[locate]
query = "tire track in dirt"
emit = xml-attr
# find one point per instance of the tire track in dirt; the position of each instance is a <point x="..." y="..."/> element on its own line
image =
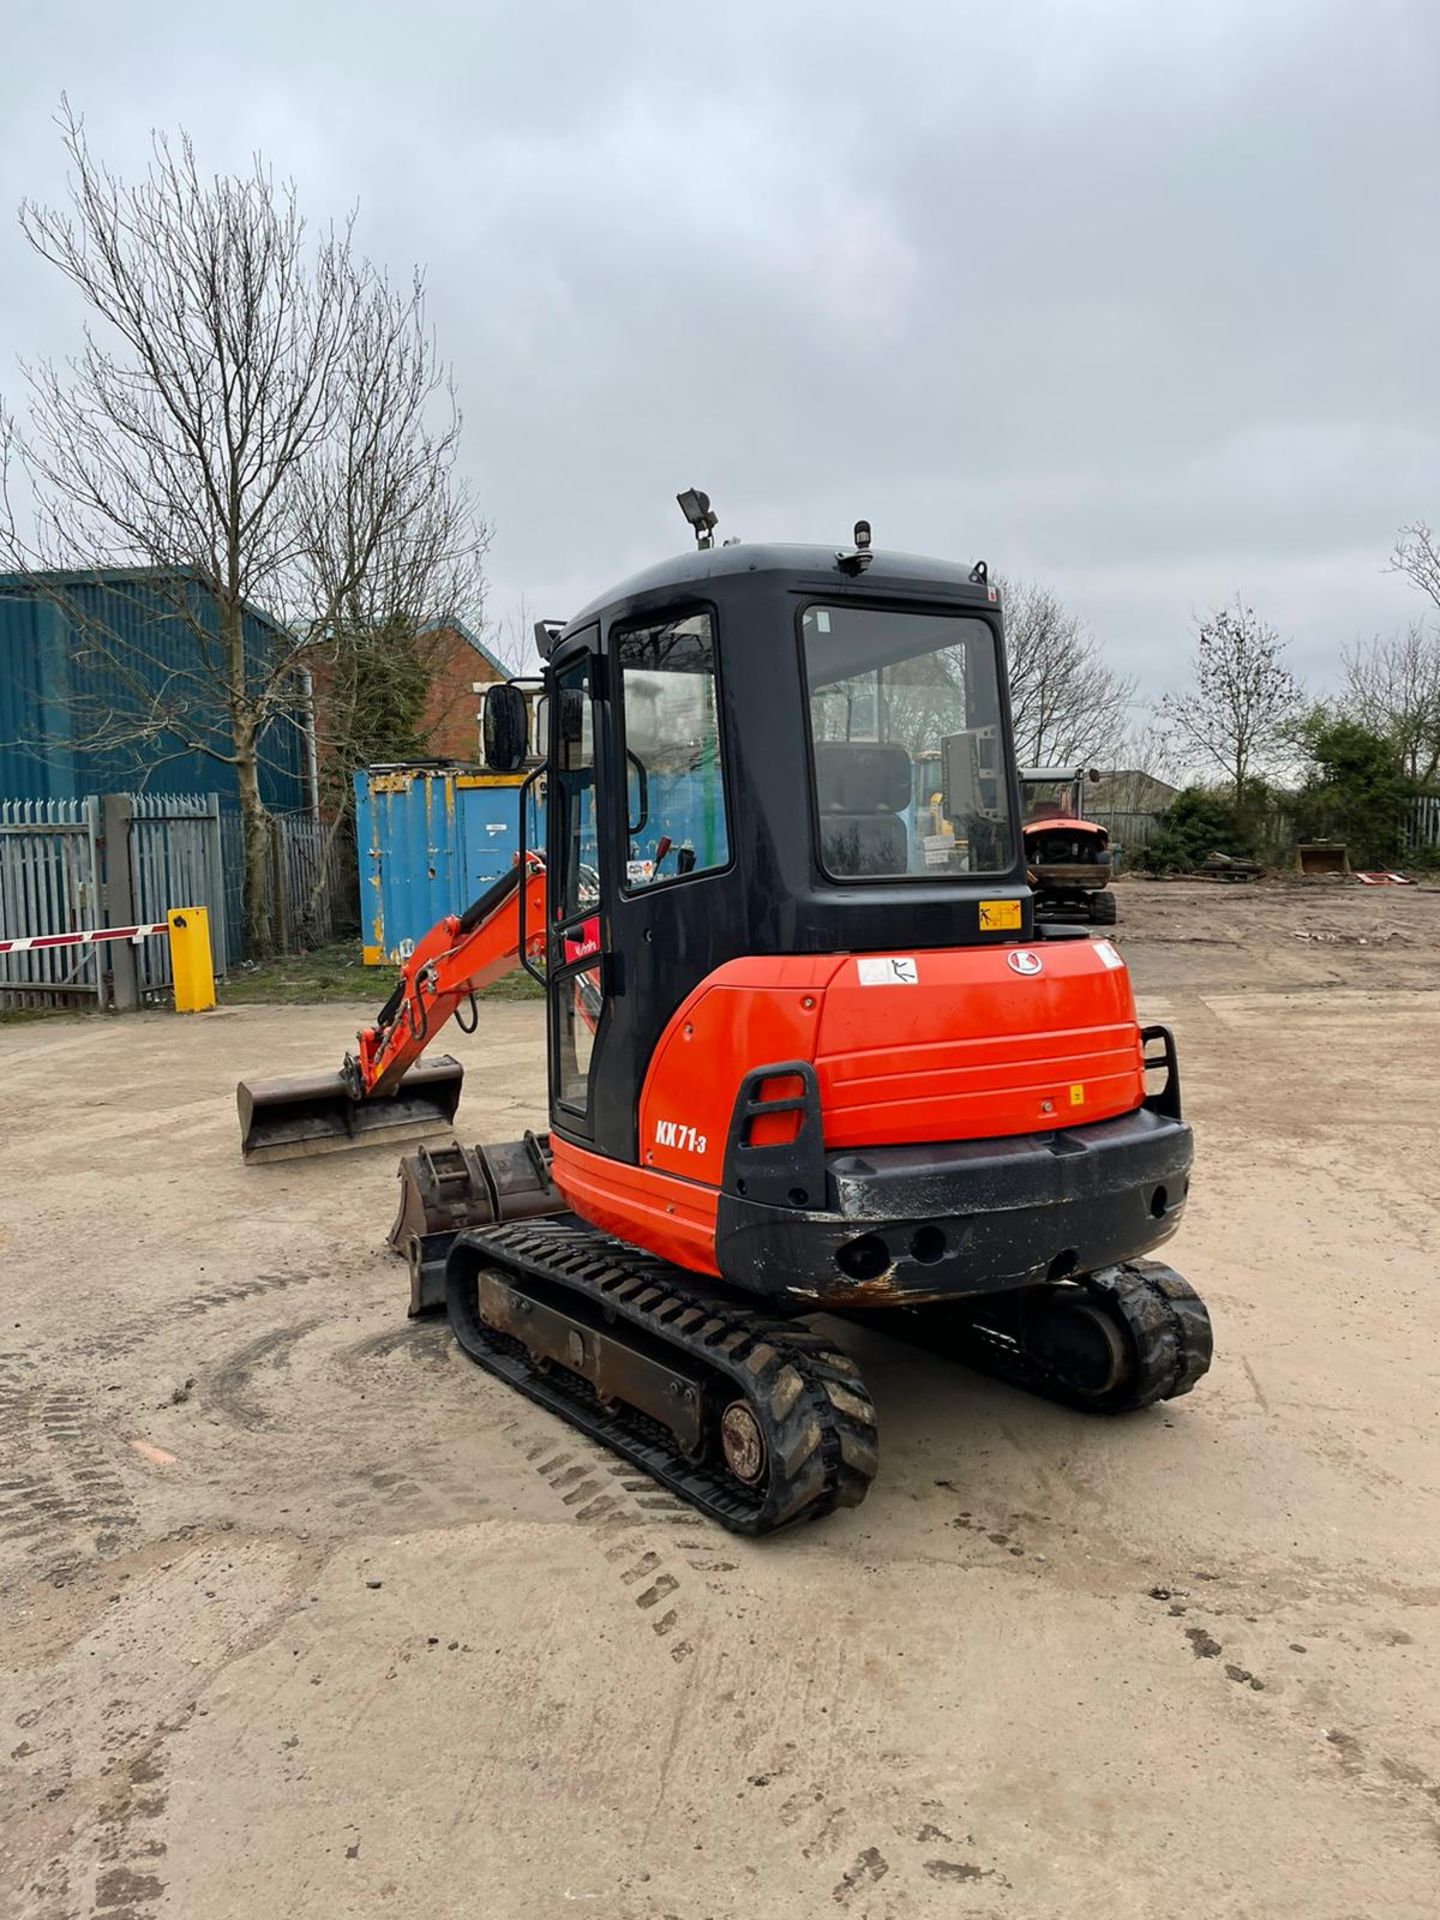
<point x="577" y="1470"/>
<point x="112" y="1342"/>
<point x="29" y="1489"/>
<point x="42" y="1884"/>
<point x="853" y="1849"/>
<point x="390" y="1489"/>
<point x="370" y="1461"/>
<point x="57" y="1477"/>
<point x="104" y="1775"/>
<point x="129" y="1853"/>
<point x="856" y="1824"/>
<point x="425" y="1342"/>
<point x="229" y="1386"/>
<point x="63" y="1470"/>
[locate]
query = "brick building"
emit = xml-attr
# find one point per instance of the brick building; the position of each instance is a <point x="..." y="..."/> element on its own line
<point x="460" y="662"/>
<point x="457" y="663"/>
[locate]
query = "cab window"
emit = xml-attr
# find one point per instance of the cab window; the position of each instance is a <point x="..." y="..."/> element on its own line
<point x="908" y="747"/>
<point x="675" y="816"/>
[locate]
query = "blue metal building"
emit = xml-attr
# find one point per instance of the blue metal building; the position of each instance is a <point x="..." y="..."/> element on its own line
<point x="51" y="683"/>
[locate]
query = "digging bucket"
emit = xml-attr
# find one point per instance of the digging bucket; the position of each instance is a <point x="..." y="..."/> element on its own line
<point x="317" y="1113"/>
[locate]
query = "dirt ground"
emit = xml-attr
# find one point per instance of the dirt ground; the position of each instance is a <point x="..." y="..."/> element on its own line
<point x="299" y="1614"/>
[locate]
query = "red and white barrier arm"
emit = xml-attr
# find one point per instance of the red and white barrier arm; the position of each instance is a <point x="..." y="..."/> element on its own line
<point x="134" y="934"/>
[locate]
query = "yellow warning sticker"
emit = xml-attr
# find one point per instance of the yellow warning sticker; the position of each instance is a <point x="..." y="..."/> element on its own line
<point x="998" y="916"/>
<point x="1077" y="1096"/>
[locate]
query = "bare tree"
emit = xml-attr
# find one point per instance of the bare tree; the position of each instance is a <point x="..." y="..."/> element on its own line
<point x="1392" y="687"/>
<point x="392" y="554"/>
<point x="257" y="421"/>
<point x="1068" y="706"/>
<point x="512" y="640"/>
<point x="1148" y="750"/>
<point x="1417" y="556"/>
<point x="1144" y="758"/>
<point x="1243" y="706"/>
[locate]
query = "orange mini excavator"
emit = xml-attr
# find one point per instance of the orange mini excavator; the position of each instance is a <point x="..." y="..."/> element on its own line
<point x="807" y="1048"/>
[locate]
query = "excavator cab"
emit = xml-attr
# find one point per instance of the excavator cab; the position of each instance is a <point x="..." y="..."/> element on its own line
<point x="807" y="1048"/>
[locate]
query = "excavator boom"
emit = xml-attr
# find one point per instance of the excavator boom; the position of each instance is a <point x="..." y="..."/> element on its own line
<point x="384" y="1091"/>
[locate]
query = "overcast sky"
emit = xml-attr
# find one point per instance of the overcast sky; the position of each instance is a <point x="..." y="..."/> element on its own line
<point x="1137" y="300"/>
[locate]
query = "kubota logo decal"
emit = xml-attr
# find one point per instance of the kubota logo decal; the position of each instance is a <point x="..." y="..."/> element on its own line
<point x="1022" y="960"/>
<point x="584" y="941"/>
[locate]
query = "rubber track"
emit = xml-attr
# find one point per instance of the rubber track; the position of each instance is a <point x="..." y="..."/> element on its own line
<point x="818" y="1423"/>
<point x="1167" y="1330"/>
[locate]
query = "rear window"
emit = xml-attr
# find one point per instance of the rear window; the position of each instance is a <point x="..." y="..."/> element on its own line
<point x="908" y="761"/>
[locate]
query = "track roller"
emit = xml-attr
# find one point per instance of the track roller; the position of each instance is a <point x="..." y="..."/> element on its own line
<point x="759" y="1422"/>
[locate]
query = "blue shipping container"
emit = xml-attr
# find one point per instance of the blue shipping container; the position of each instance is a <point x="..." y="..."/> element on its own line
<point x="429" y="839"/>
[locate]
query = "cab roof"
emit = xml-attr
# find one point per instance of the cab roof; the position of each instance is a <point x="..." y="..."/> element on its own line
<point x="809" y="566"/>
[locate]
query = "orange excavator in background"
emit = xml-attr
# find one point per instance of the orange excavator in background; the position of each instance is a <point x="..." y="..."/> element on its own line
<point x="1068" y="856"/>
<point x="806" y="1054"/>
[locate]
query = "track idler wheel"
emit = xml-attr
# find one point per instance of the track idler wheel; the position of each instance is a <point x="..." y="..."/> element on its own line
<point x="1115" y="1340"/>
<point x="1110" y="1341"/>
<point x="742" y="1443"/>
<point x="1077" y="1340"/>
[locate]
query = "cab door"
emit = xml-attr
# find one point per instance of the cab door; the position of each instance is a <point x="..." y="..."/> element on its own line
<point x="671" y="918"/>
<point x="575" y="862"/>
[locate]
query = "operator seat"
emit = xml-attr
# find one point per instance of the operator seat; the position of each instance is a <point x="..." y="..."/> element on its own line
<point x="863" y="788"/>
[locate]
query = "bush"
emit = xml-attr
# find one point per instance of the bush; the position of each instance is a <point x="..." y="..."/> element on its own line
<point x="1200" y="822"/>
<point x="1356" y="790"/>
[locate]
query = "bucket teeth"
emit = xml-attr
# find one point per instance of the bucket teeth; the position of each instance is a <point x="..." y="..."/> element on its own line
<point x="318" y="1113"/>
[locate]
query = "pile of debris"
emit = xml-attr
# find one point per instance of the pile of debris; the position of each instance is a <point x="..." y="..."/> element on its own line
<point x="1224" y="866"/>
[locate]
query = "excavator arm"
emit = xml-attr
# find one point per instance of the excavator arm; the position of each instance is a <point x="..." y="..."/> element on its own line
<point x="384" y="1090"/>
<point x="459" y="956"/>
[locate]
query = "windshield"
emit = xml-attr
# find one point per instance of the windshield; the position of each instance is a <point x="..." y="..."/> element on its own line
<point x="910" y="773"/>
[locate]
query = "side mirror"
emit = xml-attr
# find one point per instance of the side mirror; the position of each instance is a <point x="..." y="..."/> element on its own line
<point x="505" y="728"/>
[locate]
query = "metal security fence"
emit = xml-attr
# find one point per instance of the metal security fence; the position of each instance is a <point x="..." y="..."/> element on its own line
<point x="71" y="866"/>
<point x="313" y="876"/>
<point x="50" y="883"/>
<point x="232" y="869"/>
<point x="176" y="860"/>
<point x="311" y="871"/>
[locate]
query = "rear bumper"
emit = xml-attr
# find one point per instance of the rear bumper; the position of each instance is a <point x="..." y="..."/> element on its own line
<point x="909" y="1224"/>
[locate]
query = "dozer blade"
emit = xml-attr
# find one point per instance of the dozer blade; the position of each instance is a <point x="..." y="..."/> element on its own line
<point x="317" y="1113"/>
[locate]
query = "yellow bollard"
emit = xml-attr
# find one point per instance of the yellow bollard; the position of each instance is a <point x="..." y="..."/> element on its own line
<point x="191" y="966"/>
